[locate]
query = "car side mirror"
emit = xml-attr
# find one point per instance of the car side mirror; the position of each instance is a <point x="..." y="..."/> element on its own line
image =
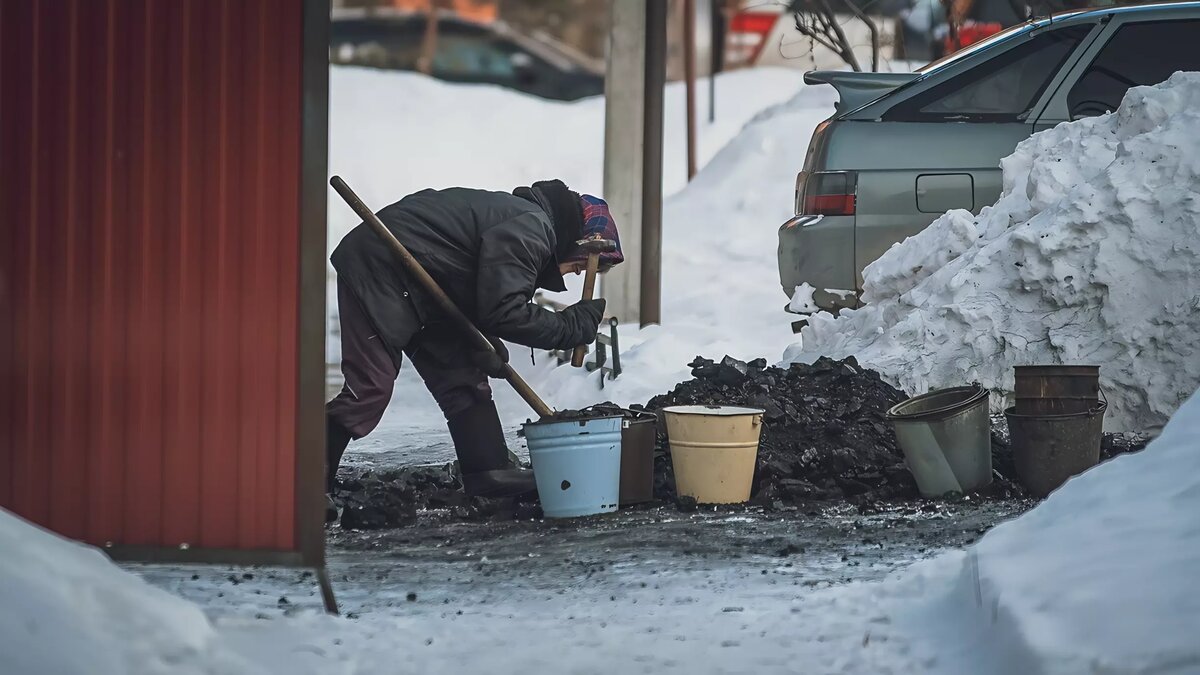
<point x="522" y="65"/>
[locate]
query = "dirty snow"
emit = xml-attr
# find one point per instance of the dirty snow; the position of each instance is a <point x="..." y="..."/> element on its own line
<point x="802" y="300"/>
<point x="1090" y="256"/>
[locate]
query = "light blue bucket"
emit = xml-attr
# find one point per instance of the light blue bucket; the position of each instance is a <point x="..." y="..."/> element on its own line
<point x="577" y="465"/>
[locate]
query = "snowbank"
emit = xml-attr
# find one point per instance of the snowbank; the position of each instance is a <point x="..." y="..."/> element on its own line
<point x="1090" y="256"/>
<point x="1101" y="577"/>
<point x="68" y="609"/>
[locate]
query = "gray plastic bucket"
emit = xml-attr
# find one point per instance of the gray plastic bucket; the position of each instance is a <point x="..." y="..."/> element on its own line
<point x="577" y="465"/>
<point x="946" y="439"/>
<point x="1049" y="449"/>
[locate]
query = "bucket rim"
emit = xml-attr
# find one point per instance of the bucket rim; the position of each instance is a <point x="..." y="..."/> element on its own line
<point x="1098" y="409"/>
<point x="550" y="420"/>
<point x="714" y="410"/>
<point x="978" y="393"/>
<point x="1055" y="366"/>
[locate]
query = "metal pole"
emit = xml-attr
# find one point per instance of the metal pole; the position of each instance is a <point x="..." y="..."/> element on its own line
<point x="716" y="54"/>
<point x="652" y="162"/>
<point x="689" y="70"/>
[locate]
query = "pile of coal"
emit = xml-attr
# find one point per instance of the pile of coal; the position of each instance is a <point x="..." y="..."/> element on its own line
<point x="372" y="500"/>
<point x="825" y="435"/>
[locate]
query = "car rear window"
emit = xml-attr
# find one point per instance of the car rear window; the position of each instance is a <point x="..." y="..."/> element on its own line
<point x="1138" y="54"/>
<point x="1001" y="89"/>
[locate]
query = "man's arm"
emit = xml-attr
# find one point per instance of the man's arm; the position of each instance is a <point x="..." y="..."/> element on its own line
<point x="510" y="257"/>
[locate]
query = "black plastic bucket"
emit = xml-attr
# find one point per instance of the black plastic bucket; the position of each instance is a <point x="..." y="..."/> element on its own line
<point x="1049" y="449"/>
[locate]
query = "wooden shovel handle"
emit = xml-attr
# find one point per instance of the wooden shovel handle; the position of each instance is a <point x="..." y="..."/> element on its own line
<point x="589" y="290"/>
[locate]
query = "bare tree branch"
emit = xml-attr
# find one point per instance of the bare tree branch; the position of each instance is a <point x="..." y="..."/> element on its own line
<point x="815" y="19"/>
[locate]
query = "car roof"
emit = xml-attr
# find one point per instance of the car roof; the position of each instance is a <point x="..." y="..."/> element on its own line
<point x="1060" y="18"/>
<point x="1125" y="9"/>
<point x="1064" y="18"/>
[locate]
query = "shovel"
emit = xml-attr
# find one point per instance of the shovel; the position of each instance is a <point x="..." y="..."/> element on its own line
<point x="415" y="271"/>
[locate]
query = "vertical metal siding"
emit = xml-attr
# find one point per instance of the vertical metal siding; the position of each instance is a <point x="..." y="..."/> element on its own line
<point x="149" y="252"/>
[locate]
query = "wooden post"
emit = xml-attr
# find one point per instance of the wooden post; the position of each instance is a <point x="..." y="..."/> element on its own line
<point x="689" y="74"/>
<point x="429" y="41"/>
<point x="624" y="109"/>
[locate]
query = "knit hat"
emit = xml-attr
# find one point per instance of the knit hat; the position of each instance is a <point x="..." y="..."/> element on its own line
<point x="598" y="224"/>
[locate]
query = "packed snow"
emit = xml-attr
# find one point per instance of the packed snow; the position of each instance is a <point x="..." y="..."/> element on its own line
<point x="1090" y="256"/>
<point x="67" y="609"/>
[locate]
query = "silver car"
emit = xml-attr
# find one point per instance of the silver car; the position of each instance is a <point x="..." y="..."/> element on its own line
<point x="901" y="149"/>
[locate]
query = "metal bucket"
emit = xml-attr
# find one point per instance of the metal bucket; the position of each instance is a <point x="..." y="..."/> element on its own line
<point x="713" y="450"/>
<point x="577" y="465"/>
<point x="946" y="439"/>
<point x="1049" y="449"/>
<point x="637" y="458"/>
<point x="1056" y="390"/>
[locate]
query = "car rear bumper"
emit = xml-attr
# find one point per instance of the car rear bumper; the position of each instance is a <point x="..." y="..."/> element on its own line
<point x="819" y="251"/>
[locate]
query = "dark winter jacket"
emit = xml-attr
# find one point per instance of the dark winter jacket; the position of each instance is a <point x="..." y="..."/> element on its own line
<point x="489" y="251"/>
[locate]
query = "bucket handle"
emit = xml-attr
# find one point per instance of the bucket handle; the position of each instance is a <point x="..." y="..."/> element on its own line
<point x="631" y="412"/>
<point x="1103" y="397"/>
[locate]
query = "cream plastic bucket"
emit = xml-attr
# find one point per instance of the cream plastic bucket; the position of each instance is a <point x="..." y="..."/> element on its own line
<point x="714" y="450"/>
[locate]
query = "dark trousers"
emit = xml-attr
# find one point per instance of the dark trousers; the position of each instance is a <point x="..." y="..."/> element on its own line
<point x="370" y="371"/>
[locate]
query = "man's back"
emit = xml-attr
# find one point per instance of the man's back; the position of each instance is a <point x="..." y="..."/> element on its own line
<point x="443" y="229"/>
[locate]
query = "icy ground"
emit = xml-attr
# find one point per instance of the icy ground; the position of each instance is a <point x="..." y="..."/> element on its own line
<point x="648" y="590"/>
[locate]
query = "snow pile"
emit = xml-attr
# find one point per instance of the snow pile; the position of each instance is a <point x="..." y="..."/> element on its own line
<point x="1090" y="256"/>
<point x="68" y="609"/>
<point x="720" y="281"/>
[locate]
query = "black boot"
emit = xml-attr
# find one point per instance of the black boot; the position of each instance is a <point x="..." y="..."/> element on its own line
<point x="483" y="455"/>
<point x="336" y="440"/>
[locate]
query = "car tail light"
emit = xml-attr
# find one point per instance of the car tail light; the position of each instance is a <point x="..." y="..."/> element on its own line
<point x="748" y="32"/>
<point x="826" y="193"/>
<point x="753" y="22"/>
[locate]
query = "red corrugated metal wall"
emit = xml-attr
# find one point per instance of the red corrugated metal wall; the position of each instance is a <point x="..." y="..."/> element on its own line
<point x="150" y="154"/>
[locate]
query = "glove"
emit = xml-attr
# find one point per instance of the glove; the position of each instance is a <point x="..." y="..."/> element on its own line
<point x="491" y="363"/>
<point x="586" y="316"/>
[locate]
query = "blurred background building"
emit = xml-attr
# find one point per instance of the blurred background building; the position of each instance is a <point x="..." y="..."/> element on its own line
<point x="555" y="48"/>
